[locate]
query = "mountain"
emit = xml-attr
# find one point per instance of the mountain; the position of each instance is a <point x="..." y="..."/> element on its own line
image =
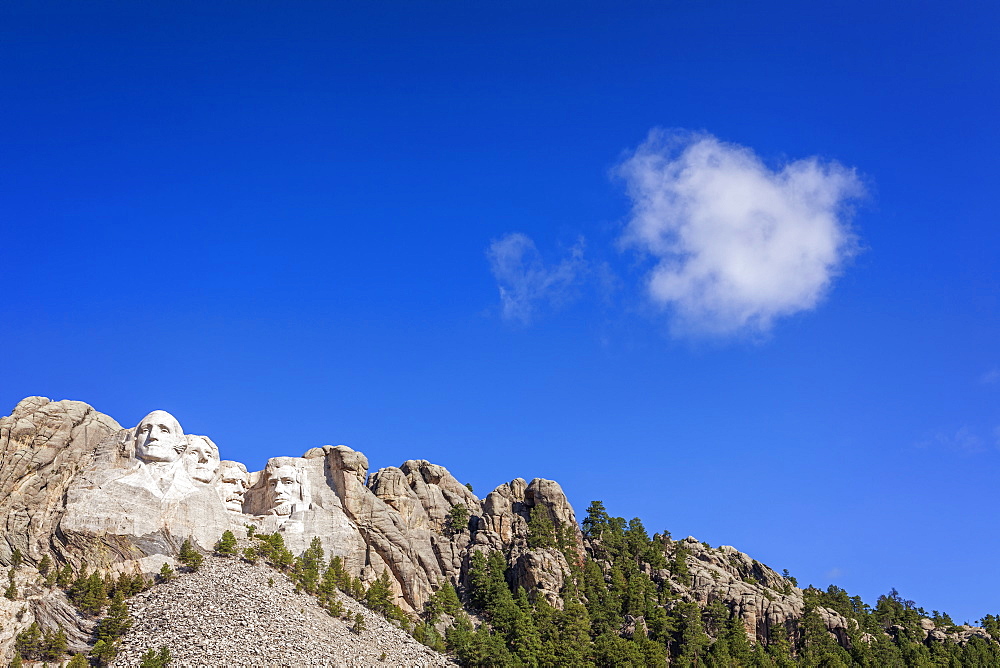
<point x="80" y="496"/>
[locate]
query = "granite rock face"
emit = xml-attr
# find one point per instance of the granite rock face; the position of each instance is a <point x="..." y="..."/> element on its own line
<point x="44" y="445"/>
<point x="77" y="486"/>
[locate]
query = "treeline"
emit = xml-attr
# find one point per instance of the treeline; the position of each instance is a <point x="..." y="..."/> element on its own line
<point x="614" y="614"/>
<point x="93" y="595"/>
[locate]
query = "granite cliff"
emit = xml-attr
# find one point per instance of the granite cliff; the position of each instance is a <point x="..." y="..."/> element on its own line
<point x="78" y="488"/>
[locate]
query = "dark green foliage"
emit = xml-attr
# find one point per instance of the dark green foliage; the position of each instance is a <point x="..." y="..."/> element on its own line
<point x="35" y="645"/>
<point x="468" y="486"/>
<point x="118" y="620"/>
<point x="154" y="659"/>
<point x="28" y="643"/>
<point x="128" y="585"/>
<point x="11" y="591"/>
<point x="45" y="565"/>
<point x="272" y="549"/>
<point x="334" y="577"/>
<point x="359" y="623"/>
<point x="16" y="558"/>
<point x="426" y="633"/>
<point x="190" y="557"/>
<point x="486" y="577"/>
<point x="65" y="577"/>
<point x="54" y="645"/>
<point x="103" y="652"/>
<point x="16" y="662"/>
<point x="357" y="589"/>
<point x="457" y="520"/>
<point x="443" y="601"/>
<point x="226" y="547"/>
<point x="88" y="592"/>
<point x="678" y="564"/>
<point x="251" y="530"/>
<point x="109" y="629"/>
<point x="309" y="567"/>
<point x="992" y="625"/>
<point x="379" y="595"/>
<point x="78" y="661"/>
<point x="166" y="573"/>
<point x="541" y="530"/>
<point x="610" y="649"/>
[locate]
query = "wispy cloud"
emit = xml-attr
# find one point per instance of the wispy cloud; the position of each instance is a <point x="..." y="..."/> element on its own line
<point x="736" y="244"/>
<point x="991" y="377"/>
<point x="964" y="439"/>
<point x="526" y="282"/>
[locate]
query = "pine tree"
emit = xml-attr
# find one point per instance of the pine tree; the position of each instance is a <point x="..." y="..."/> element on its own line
<point x="104" y="652"/>
<point x="226" y="547"/>
<point x="28" y="643"/>
<point x="308" y="572"/>
<point x="11" y="591"/>
<point x="65" y="577"/>
<point x="78" y="661"/>
<point x="44" y="565"/>
<point x="574" y="644"/>
<point x="541" y="530"/>
<point x="54" y="645"/>
<point x="458" y="637"/>
<point x="116" y="622"/>
<point x="16" y="558"/>
<point x="379" y="595"/>
<point x="523" y="639"/>
<point x="154" y="659"/>
<point x="190" y="557"/>
<point x="166" y="573"/>
<point x="359" y="623"/>
<point x="457" y="520"/>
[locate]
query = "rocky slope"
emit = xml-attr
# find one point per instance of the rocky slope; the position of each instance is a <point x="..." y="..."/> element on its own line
<point x="78" y="487"/>
<point x="230" y="613"/>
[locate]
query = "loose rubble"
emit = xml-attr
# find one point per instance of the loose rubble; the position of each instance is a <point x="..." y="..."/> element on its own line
<point x="230" y="614"/>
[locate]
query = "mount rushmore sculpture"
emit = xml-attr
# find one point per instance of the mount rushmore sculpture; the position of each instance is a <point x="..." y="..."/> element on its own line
<point x="76" y="485"/>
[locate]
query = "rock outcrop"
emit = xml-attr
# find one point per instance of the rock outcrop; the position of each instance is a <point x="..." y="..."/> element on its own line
<point x="77" y="486"/>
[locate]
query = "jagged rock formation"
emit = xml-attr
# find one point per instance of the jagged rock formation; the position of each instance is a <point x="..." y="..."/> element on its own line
<point x="761" y="597"/>
<point x="78" y="487"/>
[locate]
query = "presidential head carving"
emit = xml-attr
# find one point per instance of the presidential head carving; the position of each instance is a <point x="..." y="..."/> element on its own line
<point x="201" y="458"/>
<point x="233" y="484"/>
<point x="159" y="438"/>
<point x="285" y="486"/>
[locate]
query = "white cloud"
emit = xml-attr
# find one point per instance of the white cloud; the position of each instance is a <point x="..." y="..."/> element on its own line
<point x="525" y="281"/>
<point x="736" y="244"/>
<point x="990" y="377"/>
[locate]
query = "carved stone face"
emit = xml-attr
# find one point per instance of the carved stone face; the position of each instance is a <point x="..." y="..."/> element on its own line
<point x="233" y="485"/>
<point x="285" y="489"/>
<point x="159" y="438"/>
<point x="201" y="459"/>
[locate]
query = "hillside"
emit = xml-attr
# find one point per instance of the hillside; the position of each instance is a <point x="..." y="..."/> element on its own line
<point x="510" y="579"/>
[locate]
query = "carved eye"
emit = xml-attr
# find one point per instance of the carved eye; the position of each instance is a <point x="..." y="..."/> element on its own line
<point x="164" y="429"/>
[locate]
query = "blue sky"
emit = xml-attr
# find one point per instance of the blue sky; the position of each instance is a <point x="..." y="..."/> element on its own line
<point x="290" y="224"/>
